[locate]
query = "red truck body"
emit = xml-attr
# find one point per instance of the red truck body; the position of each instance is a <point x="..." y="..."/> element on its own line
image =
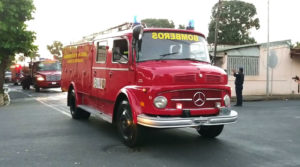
<point x="16" y="73"/>
<point x="179" y="88"/>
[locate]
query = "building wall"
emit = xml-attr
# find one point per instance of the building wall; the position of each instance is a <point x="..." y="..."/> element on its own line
<point x="281" y="75"/>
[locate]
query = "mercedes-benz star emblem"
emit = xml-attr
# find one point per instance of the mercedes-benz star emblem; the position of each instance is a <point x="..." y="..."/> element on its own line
<point x="199" y="99"/>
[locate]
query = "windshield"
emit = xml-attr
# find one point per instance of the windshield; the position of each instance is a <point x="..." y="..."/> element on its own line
<point x="49" y="66"/>
<point x="173" y="46"/>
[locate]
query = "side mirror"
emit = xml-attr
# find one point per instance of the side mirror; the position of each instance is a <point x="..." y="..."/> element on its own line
<point x="138" y="32"/>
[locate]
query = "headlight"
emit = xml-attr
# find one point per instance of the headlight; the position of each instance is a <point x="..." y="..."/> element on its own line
<point x="160" y="102"/>
<point x="40" y="78"/>
<point x="226" y="100"/>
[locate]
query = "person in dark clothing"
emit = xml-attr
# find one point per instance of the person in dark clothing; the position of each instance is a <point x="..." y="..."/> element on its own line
<point x="239" y="81"/>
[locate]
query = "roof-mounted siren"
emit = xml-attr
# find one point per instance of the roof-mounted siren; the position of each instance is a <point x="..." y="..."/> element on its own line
<point x="191" y="25"/>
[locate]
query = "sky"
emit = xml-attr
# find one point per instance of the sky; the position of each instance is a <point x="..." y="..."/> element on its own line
<point x="69" y="20"/>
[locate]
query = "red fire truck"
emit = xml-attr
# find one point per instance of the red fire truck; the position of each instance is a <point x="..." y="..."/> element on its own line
<point x="140" y="77"/>
<point x="42" y="74"/>
<point x="16" y="73"/>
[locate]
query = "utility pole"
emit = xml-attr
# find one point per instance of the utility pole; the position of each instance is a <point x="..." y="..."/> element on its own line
<point x="268" y="50"/>
<point x="216" y="30"/>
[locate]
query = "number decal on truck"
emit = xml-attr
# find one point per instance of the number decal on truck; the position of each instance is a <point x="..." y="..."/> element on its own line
<point x="99" y="83"/>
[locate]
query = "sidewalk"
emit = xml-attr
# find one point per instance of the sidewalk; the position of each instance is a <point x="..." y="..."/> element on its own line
<point x="264" y="97"/>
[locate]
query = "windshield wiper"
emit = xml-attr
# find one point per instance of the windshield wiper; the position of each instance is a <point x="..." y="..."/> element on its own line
<point x="192" y="59"/>
<point x="168" y="54"/>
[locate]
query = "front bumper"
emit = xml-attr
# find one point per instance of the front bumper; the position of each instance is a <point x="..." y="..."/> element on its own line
<point x="48" y="84"/>
<point x="179" y="122"/>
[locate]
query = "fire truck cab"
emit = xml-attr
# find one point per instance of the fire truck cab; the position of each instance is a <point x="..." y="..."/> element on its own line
<point x="134" y="76"/>
<point x="42" y="74"/>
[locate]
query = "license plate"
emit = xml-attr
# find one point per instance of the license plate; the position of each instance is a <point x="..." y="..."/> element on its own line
<point x="53" y="83"/>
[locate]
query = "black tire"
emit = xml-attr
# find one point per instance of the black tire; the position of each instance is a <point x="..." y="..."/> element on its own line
<point x="210" y="131"/>
<point x="23" y="86"/>
<point x="129" y="131"/>
<point x="37" y="88"/>
<point x="76" y="113"/>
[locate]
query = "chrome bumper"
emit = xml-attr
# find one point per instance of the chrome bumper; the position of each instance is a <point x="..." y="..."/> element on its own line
<point x="179" y="122"/>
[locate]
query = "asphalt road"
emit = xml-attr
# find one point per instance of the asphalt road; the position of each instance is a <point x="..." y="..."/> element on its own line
<point x="36" y="130"/>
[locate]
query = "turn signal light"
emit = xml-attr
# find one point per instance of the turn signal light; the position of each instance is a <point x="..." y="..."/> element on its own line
<point x="178" y="106"/>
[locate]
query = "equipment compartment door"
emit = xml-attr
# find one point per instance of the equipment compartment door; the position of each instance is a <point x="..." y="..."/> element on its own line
<point x="99" y="70"/>
<point x="84" y="63"/>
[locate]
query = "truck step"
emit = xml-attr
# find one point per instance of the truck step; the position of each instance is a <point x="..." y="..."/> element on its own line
<point x="96" y="112"/>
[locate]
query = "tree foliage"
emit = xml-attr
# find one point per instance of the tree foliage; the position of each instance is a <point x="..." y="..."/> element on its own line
<point x="159" y="23"/>
<point x="56" y="49"/>
<point x="14" y="38"/>
<point x="236" y="20"/>
<point x="296" y="45"/>
<point x="181" y="26"/>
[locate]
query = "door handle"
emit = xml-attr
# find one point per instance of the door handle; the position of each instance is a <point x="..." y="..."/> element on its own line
<point x="110" y="74"/>
<point x="95" y="73"/>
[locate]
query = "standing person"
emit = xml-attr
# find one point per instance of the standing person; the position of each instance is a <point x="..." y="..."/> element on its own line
<point x="239" y="81"/>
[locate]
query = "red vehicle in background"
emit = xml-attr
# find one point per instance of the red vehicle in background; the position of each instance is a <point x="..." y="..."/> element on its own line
<point x="16" y="73"/>
<point x="152" y="77"/>
<point x="43" y="74"/>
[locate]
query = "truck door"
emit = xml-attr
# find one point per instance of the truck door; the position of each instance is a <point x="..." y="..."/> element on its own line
<point x="99" y="70"/>
<point x="119" y="73"/>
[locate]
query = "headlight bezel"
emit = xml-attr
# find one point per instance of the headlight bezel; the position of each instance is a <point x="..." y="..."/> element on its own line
<point x="160" y="102"/>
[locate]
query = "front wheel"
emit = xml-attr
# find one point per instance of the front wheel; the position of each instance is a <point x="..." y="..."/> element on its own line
<point x="210" y="131"/>
<point x="128" y="130"/>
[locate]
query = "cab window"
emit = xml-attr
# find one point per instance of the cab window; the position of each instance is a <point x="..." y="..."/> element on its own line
<point x="120" y="51"/>
<point x="101" y="52"/>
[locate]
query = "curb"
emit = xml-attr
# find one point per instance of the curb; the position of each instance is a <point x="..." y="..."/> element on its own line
<point x="6" y="97"/>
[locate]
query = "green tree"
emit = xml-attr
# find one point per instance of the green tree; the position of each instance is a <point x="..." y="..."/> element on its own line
<point x="296" y="45"/>
<point x="181" y="26"/>
<point x="14" y="38"/>
<point x="159" y="23"/>
<point x="56" y="50"/>
<point x="236" y="20"/>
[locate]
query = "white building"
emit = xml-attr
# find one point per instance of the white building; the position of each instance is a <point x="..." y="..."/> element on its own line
<point x="253" y="58"/>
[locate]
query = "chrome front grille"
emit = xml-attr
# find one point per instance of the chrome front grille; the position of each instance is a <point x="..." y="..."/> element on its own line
<point x="53" y="77"/>
<point x="188" y="98"/>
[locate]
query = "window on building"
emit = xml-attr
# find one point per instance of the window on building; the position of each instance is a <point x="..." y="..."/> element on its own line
<point x="120" y="51"/>
<point x="250" y="64"/>
<point x="101" y="52"/>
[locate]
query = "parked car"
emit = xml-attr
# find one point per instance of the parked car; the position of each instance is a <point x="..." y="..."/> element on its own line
<point x="7" y="78"/>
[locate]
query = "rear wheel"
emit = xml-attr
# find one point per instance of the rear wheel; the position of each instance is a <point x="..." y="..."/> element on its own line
<point x="128" y="130"/>
<point x="76" y="113"/>
<point x="23" y="86"/>
<point x="210" y="131"/>
<point x="37" y="88"/>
